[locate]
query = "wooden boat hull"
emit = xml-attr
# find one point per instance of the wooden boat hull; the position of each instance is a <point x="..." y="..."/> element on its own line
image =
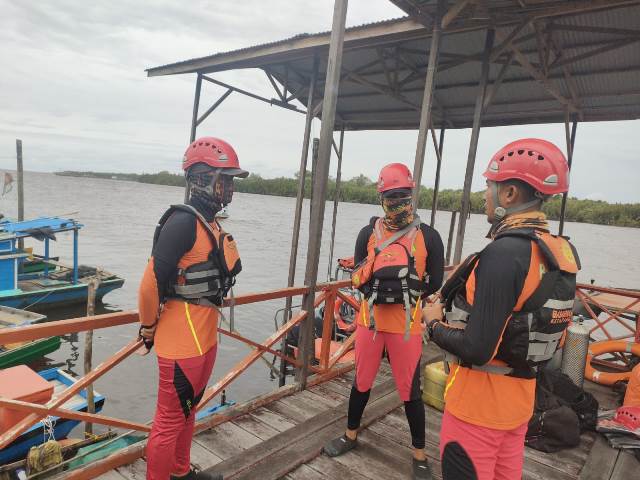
<point x="56" y="296"/>
<point x="62" y="427"/>
<point x="29" y="351"/>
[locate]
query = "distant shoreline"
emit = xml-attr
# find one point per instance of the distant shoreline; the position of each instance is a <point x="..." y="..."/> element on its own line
<point x="362" y="190"/>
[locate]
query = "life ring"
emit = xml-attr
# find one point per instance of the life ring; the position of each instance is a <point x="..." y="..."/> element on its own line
<point x="609" y="346"/>
<point x="340" y="321"/>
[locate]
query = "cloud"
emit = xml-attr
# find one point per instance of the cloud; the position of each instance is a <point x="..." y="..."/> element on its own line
<point x="73" y="88"/>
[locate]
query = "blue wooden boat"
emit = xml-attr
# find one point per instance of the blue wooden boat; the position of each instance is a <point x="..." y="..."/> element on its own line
<point x="45" y="288"/>
<point x="62" y="426"/>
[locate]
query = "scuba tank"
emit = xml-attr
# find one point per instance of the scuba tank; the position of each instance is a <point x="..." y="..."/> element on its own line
<point x="574" y="353"/>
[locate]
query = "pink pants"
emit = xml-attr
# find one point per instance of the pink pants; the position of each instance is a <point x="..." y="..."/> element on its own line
<point x="471" y="452"/>
<point x="181" y="385"/>
<point x="404" y="357"/>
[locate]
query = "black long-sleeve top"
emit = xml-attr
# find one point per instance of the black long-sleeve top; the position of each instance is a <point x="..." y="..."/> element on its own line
<point x="499" y="279"/>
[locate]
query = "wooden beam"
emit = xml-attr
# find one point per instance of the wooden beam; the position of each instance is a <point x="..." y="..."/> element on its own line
<point x="427" y="102"/>
<point x="196" y="104"/>
<point x="81" y="416"/>
<point x="509" y="40"/>
<point x="222" y="98"/>
<point x="274" y="84"/>
<point x="495" y="86"/>
<point x="596" y="51"/>
<point x="473" y="146"/>
<point x="453" y="12"/>
<point x="23" y="425"/>
<point x="382" y="89"/>
<point x="316" y="219"/>
<point x="540" y="77"/>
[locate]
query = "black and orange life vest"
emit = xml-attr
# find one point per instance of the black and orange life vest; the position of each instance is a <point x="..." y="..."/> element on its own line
<point x="205" y="282"/>
<point x="534" y="332"/>
<point x="388" y="275"/>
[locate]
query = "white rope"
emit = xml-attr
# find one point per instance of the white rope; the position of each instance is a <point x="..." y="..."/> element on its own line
<point x="48" y="433"/>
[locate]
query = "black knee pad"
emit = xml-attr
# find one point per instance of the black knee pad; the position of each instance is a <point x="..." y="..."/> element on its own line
<point x="456" y="464"/>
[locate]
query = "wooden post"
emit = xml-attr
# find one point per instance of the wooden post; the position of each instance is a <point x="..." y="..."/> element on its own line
<point x="436" y="185"/>
<point x="427" y="101"/>
<point x="473" y="145"/>
<point x="314" y="164"/>
<point x="20" y="187"/>
<point x="452" y="226"/>
<point x="196" y="106"/>
<point x="336" y="200"/>
<point x="92" y="287"/>
<point x="295" y="237"/>
<point x="194" y="124"/>
<point x="329" y="104"/>
<point x="571" y="140"/>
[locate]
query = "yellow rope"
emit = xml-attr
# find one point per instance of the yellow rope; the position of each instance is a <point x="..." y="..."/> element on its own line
<point x="193" y="330"/>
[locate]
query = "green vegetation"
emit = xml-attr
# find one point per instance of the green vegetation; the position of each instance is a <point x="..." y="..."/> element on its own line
<point x="362" y="190"/>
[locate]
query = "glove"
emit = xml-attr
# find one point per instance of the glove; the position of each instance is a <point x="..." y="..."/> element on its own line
<point x="146" y="333"/>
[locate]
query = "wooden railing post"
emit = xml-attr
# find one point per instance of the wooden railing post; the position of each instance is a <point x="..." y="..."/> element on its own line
<point x="92" y="287"/>
<point x="327" y="328"/>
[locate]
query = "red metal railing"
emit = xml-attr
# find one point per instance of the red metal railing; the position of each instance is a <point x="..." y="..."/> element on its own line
<point x="326" y="293"/>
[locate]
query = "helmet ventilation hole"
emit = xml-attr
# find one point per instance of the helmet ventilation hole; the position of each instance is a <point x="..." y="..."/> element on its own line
<point x="502" y="158"/>
<point x="530" y="153"/>
<point x="510" y="154"/>
<point x="520" y="152"/>
<point x="540" y="157"/>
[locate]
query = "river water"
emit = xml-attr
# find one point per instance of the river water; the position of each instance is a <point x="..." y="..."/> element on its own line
<point x="119" y="219"/>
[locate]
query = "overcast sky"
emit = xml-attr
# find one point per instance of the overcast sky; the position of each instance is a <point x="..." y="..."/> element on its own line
<point x="73" y="88"/>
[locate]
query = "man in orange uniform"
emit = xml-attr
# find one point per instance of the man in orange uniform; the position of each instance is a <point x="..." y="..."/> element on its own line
<point x="507" y="308"/>
<point x="192" y="267"/>
<point x="399" y="261"/>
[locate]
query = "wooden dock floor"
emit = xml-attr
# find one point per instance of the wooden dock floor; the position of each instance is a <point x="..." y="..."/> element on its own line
<point x="284" y="439"/>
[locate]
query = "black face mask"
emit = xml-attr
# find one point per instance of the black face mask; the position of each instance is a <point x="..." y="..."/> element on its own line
<point x="213" y="190"/>
<point x="223" y="190"/>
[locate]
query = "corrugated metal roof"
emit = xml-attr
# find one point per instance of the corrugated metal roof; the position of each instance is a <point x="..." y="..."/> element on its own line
<point x="387" y="95"/>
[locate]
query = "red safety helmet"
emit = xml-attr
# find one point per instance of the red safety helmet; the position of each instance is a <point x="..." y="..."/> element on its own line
<point x="393" y="176"/>
<point x="215" y="153"/>
<point x="534" y="161"/>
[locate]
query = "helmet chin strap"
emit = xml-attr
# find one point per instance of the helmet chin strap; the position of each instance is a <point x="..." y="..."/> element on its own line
<point x="500" y="212"/>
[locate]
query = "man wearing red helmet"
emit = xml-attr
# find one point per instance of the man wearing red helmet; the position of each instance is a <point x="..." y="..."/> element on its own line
<point x="192" y="267"/>
<point x="507" y="308"/>
<point x="399" y="261"/>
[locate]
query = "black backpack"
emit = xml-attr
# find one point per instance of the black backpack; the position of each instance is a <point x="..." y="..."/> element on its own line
<point x="562" y="411"/>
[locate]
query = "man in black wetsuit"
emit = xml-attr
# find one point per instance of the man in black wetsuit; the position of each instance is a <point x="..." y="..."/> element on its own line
<point x="193" y="265"/>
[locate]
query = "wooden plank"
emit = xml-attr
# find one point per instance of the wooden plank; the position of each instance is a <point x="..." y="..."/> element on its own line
<point x="328" y="393"/>
<point x="202" y="457"/>
<point x="227" y="440"/>
<point x="305" y="472"/>
<point x="319" y="399"/>
<point x="330" y="469"/>
<point x="339" y="388"/>
<point x="255" y="427"/>
<point x="287" y="450"/>
<point x="626" y="467"/>
<point x="375" y="462"/>
<point x="291" y="409"/>
<point x="600" y="462"/>
<point x="275" y="421"/>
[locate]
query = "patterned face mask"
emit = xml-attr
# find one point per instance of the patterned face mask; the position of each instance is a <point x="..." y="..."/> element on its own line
<point x="398" y="212"/>
<point x="215" y="190"/>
